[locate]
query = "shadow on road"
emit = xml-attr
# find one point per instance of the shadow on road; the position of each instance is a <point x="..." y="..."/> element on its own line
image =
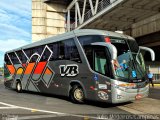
<point x="87" y="102"/>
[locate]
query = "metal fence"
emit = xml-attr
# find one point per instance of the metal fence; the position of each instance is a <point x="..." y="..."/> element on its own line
<point x="101" y="6"/>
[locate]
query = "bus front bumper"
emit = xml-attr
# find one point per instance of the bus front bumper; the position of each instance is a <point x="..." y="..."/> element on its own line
<point x="126" y="95"/>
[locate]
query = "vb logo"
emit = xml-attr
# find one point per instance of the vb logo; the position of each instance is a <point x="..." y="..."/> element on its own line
<point x="69" y="70"/>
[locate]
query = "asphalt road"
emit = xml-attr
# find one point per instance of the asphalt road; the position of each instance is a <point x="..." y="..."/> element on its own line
<point x="155" y="93"/>
<point x="34" y="106"/>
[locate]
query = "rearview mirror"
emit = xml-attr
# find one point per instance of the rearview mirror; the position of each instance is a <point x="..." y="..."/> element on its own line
<point x="149" y="50"/>
<point x="112" y="49"/>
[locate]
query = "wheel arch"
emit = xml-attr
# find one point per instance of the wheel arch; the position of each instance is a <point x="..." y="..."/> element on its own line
<point x="76" y="82"/>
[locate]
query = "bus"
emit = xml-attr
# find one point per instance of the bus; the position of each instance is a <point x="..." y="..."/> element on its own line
<point x="85" y="64"/>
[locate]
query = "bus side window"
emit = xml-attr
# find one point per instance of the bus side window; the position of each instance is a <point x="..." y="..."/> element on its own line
<point x="7" y="60"/>
<point x="14" y="58"/>
<point x="55" y="49"/>
<point x="22" y="56"/>
<point x="88" y="39"/>
<point x="28" y="52"/>
<point x="19" y="54"/>
<point x="89" y="55"/>
<point x="61" y="51"/>
<point x="71" y="51"/>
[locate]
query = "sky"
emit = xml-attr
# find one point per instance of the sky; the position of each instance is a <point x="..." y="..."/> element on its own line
<point x="15" y="25"/>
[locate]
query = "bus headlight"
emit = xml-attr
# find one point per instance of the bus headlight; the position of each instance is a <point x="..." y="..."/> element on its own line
<point x="119" y="87"/>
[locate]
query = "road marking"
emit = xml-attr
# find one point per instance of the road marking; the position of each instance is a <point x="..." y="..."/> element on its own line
<point x="38" y="116"/>
<point x="46" y="111"/>
<point x="156" y="85"/>
<point x="34" y="110"/>
<point x="2" y="103"/>
<point x="8" y="107"/>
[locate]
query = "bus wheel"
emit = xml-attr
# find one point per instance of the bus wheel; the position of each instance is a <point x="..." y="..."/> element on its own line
<point x="19" y="87"/>
<point x="77" y="94"/>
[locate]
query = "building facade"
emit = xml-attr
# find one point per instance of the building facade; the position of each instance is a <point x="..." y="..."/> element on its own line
<point x="48" y="19"/>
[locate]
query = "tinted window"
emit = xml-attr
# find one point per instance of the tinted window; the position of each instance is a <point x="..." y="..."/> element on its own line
<point x="46" y="54"/>
<point x="31" y="51"/>
<point x="7" y="60"/>
<point x="71" y="51"/>
<point x="22" y="56"/>
<point x="65" y="50"/>
<point x="133" y="45"/>
<point x="98" y="59"/>
<point x="55" y="49"/>
<point x="89" y="55"/>
<point x="28" y="52"/>
<point x="87" y="40"/>
<point x="38" y="50"/>
<point x="14" y="58"/>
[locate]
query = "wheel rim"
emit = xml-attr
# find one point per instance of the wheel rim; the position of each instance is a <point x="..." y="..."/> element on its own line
<point x="18" y="87"/>
<point x="78" y="94"/>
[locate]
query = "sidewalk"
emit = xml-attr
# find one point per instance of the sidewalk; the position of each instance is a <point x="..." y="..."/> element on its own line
<point x="156" y="81"/>
<point x="143" y="106"/>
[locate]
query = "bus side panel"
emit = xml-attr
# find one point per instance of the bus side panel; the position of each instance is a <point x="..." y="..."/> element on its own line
<point x="52" y="83"/>
<point x="8" y="80"/>
<point x="17" y="74"/>
<point x="104" y="89"/>
<point x="9" y="73"/>
<point x="80" y="76"/>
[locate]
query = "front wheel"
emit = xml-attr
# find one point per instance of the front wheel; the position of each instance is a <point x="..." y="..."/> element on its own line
<point x="19" y="87"/>
<point x="77" y="94"/>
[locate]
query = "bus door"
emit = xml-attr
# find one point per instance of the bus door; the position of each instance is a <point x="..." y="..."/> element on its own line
<point x="102" y="56"/>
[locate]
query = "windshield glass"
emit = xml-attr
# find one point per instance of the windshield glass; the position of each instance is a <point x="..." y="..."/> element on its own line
<point x="129" y="65"/>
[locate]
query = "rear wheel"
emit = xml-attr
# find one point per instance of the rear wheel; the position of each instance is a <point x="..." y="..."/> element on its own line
<point x="77" y="94"/>
<point x="19" y="87"/>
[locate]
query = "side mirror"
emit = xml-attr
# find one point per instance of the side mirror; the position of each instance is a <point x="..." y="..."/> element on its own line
<point x="149" y="50"/>
<point x="112" y="48"/>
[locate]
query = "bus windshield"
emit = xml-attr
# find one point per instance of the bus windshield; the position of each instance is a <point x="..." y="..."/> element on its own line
<point x="129" y="65"/>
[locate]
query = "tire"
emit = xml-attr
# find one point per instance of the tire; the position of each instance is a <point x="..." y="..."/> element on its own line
<point x="19" y="87"/>
<point x="77" y="94"/>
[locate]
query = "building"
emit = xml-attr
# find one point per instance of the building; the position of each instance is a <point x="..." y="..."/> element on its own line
<point x="48" y="18"/>
<point x="138" y="18"/>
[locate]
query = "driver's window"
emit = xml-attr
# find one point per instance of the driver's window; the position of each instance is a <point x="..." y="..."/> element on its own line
<point x="98" y="60"/>
<point x="100" y="64"/>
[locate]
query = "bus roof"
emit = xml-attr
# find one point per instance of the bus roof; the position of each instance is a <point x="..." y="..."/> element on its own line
<point x="67" y="35"/>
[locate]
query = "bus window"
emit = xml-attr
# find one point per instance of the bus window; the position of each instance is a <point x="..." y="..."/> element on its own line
<point x="22" y="56"/>
<point x="55" y="48"/>
<point x="89" y="55"/>
<point x="45" y="56"/>
<point x="39" y="49"/>
<point x="33" y="59"/>
<point x="69" y="51"/>
<point x="100" y="61"/>
<point x="97" y="59"/>
<point x="87" y="40"/>
<point x="14" y="58"/>
<point x="28" y="52"/>
<point x="7" y="60"/>
<point x="61" y="51"/>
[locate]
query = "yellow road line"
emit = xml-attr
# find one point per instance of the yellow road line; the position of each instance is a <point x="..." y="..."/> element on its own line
<point x="155" y="84"/>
